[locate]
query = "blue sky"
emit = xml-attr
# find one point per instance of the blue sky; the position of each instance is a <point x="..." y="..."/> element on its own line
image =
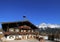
<point x="36" y="11"/>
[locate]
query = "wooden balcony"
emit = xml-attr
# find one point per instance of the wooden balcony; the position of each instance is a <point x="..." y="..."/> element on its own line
<point x="20" y="33"/>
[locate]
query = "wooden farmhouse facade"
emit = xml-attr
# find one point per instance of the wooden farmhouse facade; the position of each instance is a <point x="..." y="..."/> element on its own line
<point x="20" y="30"/>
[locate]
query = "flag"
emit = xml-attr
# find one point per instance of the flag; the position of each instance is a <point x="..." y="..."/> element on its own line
<point x="24" y="16"/>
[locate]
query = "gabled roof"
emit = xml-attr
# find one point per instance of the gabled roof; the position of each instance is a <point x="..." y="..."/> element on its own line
<point x="16" y="24"/>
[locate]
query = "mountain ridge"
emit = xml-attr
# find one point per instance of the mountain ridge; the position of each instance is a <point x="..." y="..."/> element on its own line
<point x="44" y="25"/>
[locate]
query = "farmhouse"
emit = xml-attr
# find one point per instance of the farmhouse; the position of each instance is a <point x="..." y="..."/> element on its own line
<point x="20" y="30"/>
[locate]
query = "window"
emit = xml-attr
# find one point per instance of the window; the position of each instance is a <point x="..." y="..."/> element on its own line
<point x="16" y="30"/>
<point x="22" y="31"/>
<point x="11" y="36"/>
<point x="11" y="30"/>
<point x="32" y="31"/>
<point x="28" y="30"/>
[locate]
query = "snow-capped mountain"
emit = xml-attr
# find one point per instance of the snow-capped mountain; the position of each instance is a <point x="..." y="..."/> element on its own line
<point x="44" y="25"/>
<point x="48" y="28"/>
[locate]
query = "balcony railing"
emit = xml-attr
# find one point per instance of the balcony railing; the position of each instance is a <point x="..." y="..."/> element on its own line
<point x="21" y="33"/>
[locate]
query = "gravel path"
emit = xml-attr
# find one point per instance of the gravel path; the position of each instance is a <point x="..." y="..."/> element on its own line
<point x="30" y="40"/>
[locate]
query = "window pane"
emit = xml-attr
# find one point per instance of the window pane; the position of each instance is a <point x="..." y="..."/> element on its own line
<point x="28" y="30"/>
<point x="16" y="30"/>
<point x="11" y="30"/>
<point x="24" y="30"/>
<point x="21" y="30"/>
